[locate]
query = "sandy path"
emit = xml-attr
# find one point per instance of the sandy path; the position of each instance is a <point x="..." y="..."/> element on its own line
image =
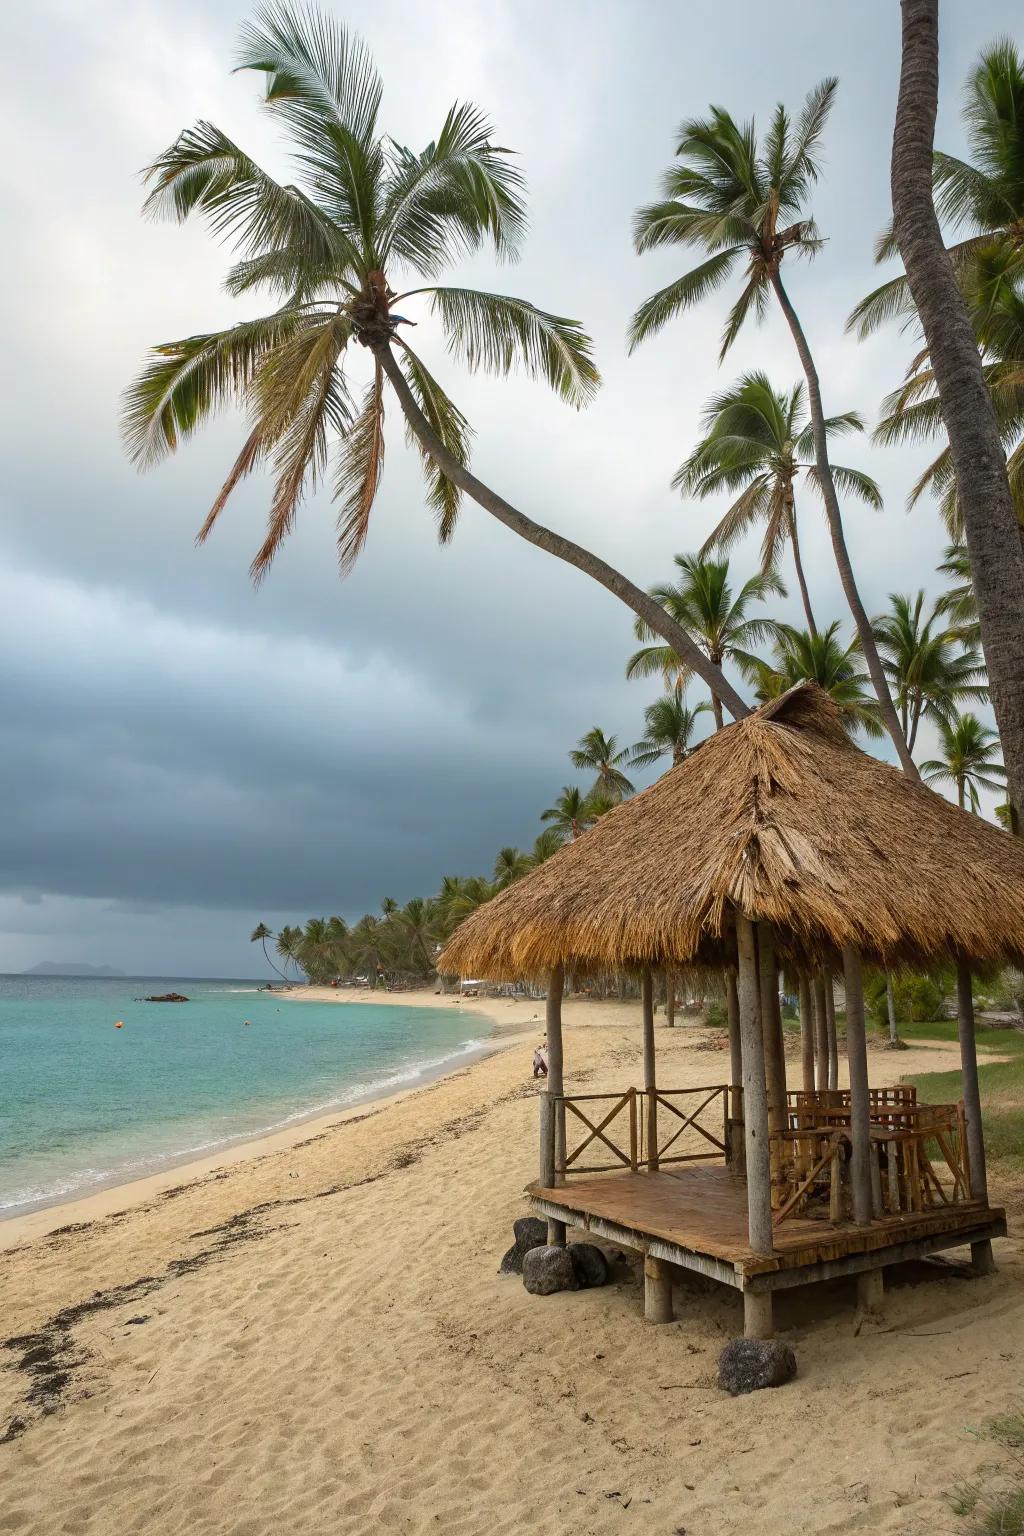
<point x="326" y="1346"/>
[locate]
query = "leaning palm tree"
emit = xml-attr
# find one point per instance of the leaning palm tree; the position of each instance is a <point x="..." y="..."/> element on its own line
<point x="742" y="203"/>
<point x="260" y="934"/>
<point x="930" y="670"/>
<point x="571" y="813"/>
<point x="703" y="602"/>
<point x="669" y="726"/>
<point x="349" y="252"/>
<point x="602" y="756"/>
<point x="759" y="442"/>
<point x="969" y="760"/>
<point x="801" y="657"/>
<point x="991" y="528"/>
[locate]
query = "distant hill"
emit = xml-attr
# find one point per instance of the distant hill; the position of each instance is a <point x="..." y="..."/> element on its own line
<point x="71" y="968"/>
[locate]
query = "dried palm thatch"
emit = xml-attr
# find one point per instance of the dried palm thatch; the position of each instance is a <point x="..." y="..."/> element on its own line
<point x="780" y="817"/>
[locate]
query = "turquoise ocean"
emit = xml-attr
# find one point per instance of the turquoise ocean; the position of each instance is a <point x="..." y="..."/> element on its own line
<point x="84" y="1104"/>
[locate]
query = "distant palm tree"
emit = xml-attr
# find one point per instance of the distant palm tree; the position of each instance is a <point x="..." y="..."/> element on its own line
<point x="970" y="758"/>
<point x="546" y="844"/>
<point x="670" y="724"/>
<point x="930" y="671"/>
<point x="959" y="603"/>
<point x="416" y="925"/>
<point x="759" y="442"/>
<point x="459" y="896"/>
<point x="289" y="946"/>
<point x="603" y="756"/>
<point x="823" y="659"/>
<point x="367" y="217"/>
<point x="702" y="601"/>
<point x="571" y="813"/>
<point x="510" y="865"/>
<point x="741" y="202"/>
<point x="260" y="934"/>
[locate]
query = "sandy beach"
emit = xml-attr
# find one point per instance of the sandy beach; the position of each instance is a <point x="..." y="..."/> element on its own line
<point x="309" y="1334"/>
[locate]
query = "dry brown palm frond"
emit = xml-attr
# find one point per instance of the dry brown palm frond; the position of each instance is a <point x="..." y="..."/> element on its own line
<point x="781" y="817"/>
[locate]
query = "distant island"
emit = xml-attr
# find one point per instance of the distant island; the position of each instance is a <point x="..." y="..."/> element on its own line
<point x="71" y="968"/>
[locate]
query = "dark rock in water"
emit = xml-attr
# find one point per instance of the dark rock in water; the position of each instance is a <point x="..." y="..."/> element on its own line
<point x="530" y="1232"/>
<point x="165" y="997"/>
<point x="747" y="1365"/>
<point x="546" y="1270"/>
<point x="590" y="1264"/>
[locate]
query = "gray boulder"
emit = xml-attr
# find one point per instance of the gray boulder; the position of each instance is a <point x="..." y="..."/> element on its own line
<point x="546" y="1270"/>
<point x="747" y="1365"/>
<point x="512" y="1261"/>
<point x="590" y="1264"/>
<point x="530" y="1232"/>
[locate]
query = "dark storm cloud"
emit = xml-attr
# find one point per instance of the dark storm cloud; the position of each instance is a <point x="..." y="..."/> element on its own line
<point x="180" y="754"/>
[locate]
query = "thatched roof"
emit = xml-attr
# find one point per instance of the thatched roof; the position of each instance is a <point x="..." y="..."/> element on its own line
<point x="781" y="817"/>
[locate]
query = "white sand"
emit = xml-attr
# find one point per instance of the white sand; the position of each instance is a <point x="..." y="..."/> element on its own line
<point x="327" y="1348"/>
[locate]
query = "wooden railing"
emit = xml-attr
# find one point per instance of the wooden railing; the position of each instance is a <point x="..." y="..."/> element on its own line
<point x="919" y="1161"/>
<point x="625" y="1126"/>
<point x="714" y="1100"/>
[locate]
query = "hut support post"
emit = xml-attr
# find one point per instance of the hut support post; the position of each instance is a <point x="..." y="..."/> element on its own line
<point x="981" y="1253"/>
<point x="555" y="1089"/>
<point x="771" y="1021"/>
<point x="830" y="1028"/>
<point x="806" y="1034"/>
<point x="758" y="1321"/>
<point x="657" y="1290"/>
<point x="650" y="1077"/>
<point x="732" y="1011"/>
<point x="755" y="1095"/>
<point x="860" y="1104"/>
<point x="820" y="1032"/>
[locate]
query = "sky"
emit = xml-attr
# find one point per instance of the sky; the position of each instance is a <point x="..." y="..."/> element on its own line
<point x="182" y="755"/>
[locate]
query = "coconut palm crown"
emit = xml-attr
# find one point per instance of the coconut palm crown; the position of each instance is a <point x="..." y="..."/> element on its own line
<point x="349" y="249"/>
<point x="801" y="657"/>
<point x="759" y="442"/>
<point x="969" y="760"/>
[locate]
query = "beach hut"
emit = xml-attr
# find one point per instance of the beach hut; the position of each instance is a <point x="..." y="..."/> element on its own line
<point x="776" y="844"/>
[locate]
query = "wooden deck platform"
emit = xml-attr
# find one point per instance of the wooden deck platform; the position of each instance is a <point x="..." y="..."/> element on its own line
<point x="697" y="1217"/>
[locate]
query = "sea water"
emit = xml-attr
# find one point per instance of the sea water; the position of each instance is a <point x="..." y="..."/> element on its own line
<point x="84" y="1104"/>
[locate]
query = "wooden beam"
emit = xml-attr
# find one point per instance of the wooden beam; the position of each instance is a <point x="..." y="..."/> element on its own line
<point x="806" y="1033"/>
<point x="650" y="1070"/>
<point x="556" y="1086"/>
<point x="820" y="1032"/>
<point x="755" y="1093"/>
<point x="860" y="1101"/>
<point x="981" y="1253"/>
<point x="771" y="1028"/>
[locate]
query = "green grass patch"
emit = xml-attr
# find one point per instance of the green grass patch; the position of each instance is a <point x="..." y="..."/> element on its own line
<point x="1001" y="1084"/>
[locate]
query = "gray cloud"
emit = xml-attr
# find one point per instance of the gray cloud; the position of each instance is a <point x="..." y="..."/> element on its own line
<point x="182" y="754"/>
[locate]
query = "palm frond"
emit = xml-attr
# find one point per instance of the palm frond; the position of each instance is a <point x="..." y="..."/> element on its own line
<point x="683" y="293"/>
<point x="454" y="431"/>
<point x="754" y="297"/>
<point x="496" y="333"/>
<point x="318" y="74"/>
<point x="359" y="472"/>
<point x="853" y="482"/>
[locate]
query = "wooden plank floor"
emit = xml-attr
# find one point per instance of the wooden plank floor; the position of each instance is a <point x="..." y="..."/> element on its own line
<point x="704" y="1210"/>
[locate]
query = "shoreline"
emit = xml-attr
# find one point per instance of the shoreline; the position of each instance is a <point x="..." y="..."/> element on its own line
<point x="109" y="1196"/>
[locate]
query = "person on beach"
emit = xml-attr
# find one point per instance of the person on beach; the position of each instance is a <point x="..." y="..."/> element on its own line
<point x="540" y="1060"/>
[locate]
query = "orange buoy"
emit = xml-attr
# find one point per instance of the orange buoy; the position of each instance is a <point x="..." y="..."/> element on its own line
<point x="119" y="1024"/>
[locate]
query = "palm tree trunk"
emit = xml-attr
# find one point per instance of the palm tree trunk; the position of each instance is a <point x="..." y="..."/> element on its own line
<point x="983" y="492"/>
<point x="642" y="604"/>
<point x="716" y="710"/>
<point x="270" y="962"/>
<point x="835" y="522"/>
<point x="890" y="1003"/>
<point x="804" y="594"/>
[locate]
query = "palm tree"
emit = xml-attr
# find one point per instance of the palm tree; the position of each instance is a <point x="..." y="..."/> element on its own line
<point x="602" y="755"/>
<point x="759" y="442"/>
<point x="546" y="844"/>
<point x="930" y="671"/>
<point x="959" y="603"/>
<point x="823" y="659"/>
<point x="742" y="202"/>
<point x="969" y="760"/>
<point x="416" y="926"/>
<point x="459" y="896"/>
<point x="986" y="505"/>
<point x="570" y="814"/>
<point x="703" y="603"/>
<point x="670" y="724"/>
<point x="260" y="934"/>
<point x="289" y="946"/>
<point x="510" y="865"/>
<point x="367" y="218"/>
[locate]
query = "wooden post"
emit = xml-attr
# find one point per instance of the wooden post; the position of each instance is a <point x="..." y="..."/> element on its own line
<point x="860" y="1103"/>
<point x="806" y="1033"/>
<point x="771" y="1022"/>
<point x="657" y="1290"/>
<point x="650" y="1080"/>
<point x="670" y="997"/>
<point x="870" y="1291"/>
<point x="820" y="1032"/>
<point x="755" y="1093"/>
<point x="830" y="1026"/>
<point x="758" y="1322"/>
<point x="732" y="1006"/>
<point x="981" y="1253"/>
<point x="555" y="1086"/>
